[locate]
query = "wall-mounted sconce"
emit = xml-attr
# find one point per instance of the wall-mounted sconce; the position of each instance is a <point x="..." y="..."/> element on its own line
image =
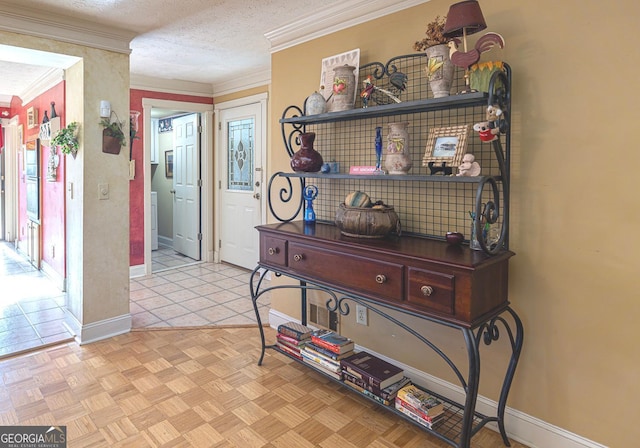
<point x="105" y="109"/>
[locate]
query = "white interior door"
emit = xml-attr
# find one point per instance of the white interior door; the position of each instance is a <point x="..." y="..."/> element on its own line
<point x="242" y="140"/>
<point x="186" y="186"/>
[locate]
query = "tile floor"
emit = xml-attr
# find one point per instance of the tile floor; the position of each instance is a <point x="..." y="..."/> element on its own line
<point x="31" y="309"/>
<point x="194" y="294"/>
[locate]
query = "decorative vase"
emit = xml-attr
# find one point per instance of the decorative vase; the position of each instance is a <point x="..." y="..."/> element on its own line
<point x="397" y="157"/>
<point x="307" y="159"/>
<point x="439" y="70"/>
<point x="315" y="104"/>
<point x="344" y="88"/>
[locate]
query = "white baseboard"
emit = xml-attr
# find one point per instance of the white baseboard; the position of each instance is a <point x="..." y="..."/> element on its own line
<point x="521" y="427"/>
<point x="97" y="331"/>
<point x="165" y="240"/>
<point x="58" y="280"/>
<point x="137" y="271"/>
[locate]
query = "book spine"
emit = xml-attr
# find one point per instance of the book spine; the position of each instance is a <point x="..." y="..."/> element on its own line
<point x="413" y="395"/>
<point x="360" y="382"/>
<point x="323" y="351"/>
<point x="418" y="412"/>
<point x="289" y="340"/>
<point x="327" y="345"/>
<point x="373" y="382"/>
<point x="324" y="363"/>
<point x="377" y="398"/>
<point x="291" y="332"/>
<point x="289" y="351"/>
<point x="321" y="355"/>
<point x="322" y="369"/>
<point x="389" y="393"/>
<point x="413" y="416"/>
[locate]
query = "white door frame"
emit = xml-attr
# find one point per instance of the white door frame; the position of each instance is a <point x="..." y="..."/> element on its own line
<point x="12" y="147"/>
<point x="206" y="164"/>
<point x="219" y="157"/>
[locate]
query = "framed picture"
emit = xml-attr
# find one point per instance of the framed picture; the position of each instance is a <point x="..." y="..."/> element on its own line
<point x="446" y="145"/>
<point x="32" y="117"/>
<point x="168" y="164"/>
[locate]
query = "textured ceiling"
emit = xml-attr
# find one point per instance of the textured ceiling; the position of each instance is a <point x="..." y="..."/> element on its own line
<point x="207" y="41"/>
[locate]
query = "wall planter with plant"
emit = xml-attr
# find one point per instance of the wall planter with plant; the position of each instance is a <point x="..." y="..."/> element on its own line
<point x="66" y="139"/>
<point x="112" y="136"/>
<point x="439" y="68"/>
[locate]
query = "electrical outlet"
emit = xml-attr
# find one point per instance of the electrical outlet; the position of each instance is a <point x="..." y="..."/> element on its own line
<point x="361" y="315"/>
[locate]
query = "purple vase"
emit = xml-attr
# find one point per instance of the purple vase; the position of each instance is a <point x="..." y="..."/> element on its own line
<point x="307" y="159"/>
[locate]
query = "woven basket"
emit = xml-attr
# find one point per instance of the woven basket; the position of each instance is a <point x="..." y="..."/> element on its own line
<point x="367" y="222"/>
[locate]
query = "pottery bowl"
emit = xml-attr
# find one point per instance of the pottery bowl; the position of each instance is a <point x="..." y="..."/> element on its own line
<point x="454" y="237"/>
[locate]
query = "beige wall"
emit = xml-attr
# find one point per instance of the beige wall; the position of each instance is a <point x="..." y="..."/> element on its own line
<point x="97" y="231"/>
<point x="573" y="223"/>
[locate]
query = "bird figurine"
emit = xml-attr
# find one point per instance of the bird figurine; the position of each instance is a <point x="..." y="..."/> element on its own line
<point x="370" y="90"/>
<point x="467" y="58"/>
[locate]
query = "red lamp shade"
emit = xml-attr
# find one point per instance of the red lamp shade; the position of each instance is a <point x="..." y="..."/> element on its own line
<point x="464" y="18"/>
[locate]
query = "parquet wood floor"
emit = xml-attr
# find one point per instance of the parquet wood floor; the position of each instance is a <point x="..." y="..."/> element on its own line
<point x="195" y="388"/>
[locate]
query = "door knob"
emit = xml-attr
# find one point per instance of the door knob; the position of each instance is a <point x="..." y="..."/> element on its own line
<point x="256" y="195"/>
<point x="172" y="191"/>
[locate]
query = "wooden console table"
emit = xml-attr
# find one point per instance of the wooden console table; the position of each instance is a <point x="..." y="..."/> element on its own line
<point x="453" y="286"/>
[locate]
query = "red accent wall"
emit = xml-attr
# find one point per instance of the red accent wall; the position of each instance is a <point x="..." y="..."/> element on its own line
<point x="136" y="186"/>
<point x="52" y="198"/>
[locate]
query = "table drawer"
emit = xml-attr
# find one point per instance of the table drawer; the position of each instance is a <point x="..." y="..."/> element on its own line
<point x="432" y="290"/>
<point x="273" y="250"/>
<point x="375" y="278"/>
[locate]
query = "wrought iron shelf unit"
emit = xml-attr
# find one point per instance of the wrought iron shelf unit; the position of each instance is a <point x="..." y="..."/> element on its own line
<point x="346" y="137"/>
<point x="422" y="276"/>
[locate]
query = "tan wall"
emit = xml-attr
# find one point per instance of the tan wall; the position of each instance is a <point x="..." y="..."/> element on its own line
<point x="573" y="223"/>
<point x="97" y="230"/>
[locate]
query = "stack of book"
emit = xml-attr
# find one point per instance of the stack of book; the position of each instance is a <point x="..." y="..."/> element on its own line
<point x="419" y="405"/>
<point x="325" y="350"/>
<point x="292" y="337"/>
<point x="373" y="376"/>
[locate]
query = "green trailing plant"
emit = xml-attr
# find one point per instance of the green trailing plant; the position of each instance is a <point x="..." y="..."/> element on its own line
<point x="114" y="129"/>
<point x="66" y="139"/>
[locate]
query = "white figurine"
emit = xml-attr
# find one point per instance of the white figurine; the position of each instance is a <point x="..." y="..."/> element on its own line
<point x="469" y="167"/>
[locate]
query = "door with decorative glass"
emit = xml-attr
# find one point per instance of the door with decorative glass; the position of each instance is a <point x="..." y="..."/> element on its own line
<point x="241" y="184"/>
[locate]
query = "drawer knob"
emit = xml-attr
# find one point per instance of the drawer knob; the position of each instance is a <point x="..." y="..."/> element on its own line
<point x="297" y="257"/>
<point x="273" y="250"/>
<point x="381" y="278"/>
<point x="427" y="290"/>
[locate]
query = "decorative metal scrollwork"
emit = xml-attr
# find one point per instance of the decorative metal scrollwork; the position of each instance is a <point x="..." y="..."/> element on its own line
<point x="285" y="195"/>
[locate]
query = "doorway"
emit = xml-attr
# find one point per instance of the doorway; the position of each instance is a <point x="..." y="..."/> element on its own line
<point x="161" y="165"/>
<point x="241" y="156"/>
<point x="175" y="191"/>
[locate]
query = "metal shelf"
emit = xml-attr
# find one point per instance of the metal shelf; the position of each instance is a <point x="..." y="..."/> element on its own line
<point x="387" y="110"/>
<point x="393" y="177"/>
<point x="447" y="429"/>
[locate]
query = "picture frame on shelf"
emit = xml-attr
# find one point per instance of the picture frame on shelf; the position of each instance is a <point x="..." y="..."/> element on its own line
<point x="32" y="117"/>
<point x="446" y="145"/>
<point x="168" y="164"/>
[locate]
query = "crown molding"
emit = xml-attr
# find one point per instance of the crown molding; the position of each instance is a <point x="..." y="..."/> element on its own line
<point x="48" y="80"/>
<point x="256" y="78"/>
<point x="332" y="19"/>
<point x="54" y="26"/>
<point x="174" y="86"/>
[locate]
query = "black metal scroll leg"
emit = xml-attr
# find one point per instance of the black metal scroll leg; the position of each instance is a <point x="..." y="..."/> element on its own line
<point x="254" y="288"/>
<point x="473" y="354"/>
<point x="303" y="303"/>
<point x="516" y="347"/>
